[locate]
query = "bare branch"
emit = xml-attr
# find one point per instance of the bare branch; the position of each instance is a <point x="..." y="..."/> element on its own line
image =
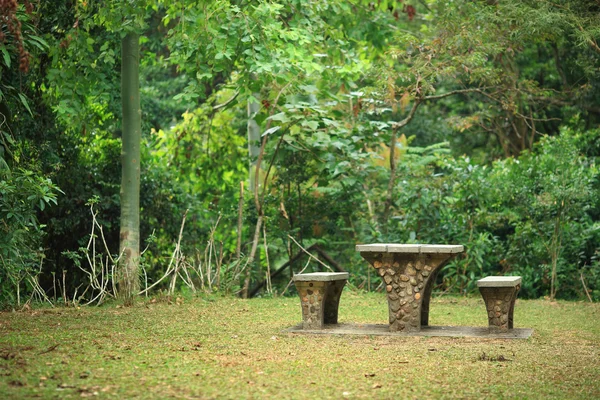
<point x="453" y="92"/>
<point x="409" y="117"/>
<point x="223" y="105"/>
<point x="310" y="255"/>
<point x="419" y="100"/>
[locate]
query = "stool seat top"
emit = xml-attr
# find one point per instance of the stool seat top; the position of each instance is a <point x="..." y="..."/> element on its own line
<point x="321" y="276"/>
<point x="409" y="248"/>
<point x="499" y="281"/>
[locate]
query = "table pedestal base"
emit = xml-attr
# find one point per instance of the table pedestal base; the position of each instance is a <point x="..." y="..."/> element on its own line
<point x="409" y="280"/>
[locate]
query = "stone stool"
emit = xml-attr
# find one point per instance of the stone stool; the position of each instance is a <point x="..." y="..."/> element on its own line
<point x="499" y="294"/>
<point x="320" y="297"/>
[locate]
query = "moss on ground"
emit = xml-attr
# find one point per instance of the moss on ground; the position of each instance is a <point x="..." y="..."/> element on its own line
<point x="232" y="348"/>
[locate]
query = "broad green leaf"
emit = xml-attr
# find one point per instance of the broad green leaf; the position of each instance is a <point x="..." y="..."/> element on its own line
<point x="314" y="125"/>
<point x="24" y="101"/>
<point x="5" y="55"/>
<point x="279" y="117"/>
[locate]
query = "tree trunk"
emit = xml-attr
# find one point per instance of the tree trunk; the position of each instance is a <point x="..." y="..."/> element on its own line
<point x="253" y="142"/>
<point x="254" y="150"/>
<point x="555" y="249"/>
<point x="392" y="182"/>
<point x="130" y="166"/>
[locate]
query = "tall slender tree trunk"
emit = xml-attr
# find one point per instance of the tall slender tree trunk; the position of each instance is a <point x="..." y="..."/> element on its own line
<point x="392" y="182"/>
<point x="253" y="153"/>
<point x="130" y="166"/>
<point x="555" y="252"/>
<point x="253" y="142"/>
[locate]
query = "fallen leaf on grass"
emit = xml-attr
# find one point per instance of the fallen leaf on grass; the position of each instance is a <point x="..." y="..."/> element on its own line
<point x="65" y="386"/>
<point x="49" y="349"/>
<point x="369" y="375"/>
<point x="7" y="355"/>
<point x="485" y="357"/>
<point x="86" y="393"/>
<point x="377" y="386"/>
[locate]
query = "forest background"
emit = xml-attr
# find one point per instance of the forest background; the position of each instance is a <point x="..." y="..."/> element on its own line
<point x="269" y="127"/>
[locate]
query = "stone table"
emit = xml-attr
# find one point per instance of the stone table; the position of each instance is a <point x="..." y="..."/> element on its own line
<point x="409" y="272"/>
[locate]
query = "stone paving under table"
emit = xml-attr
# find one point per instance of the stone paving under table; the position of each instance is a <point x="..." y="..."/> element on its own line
<point x="429" y="331"/>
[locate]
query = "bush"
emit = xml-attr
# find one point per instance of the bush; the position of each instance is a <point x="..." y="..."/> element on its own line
<point x="22" y="194"/>
<point x="530" y="216"/>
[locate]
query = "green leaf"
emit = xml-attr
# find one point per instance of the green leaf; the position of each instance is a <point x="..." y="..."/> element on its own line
<point x="5" y="55"/>
<point x="279" y="117"/>
<point x="271" y="130"/>
<point x="24" y="101"/>
<point x="313" y="125"/>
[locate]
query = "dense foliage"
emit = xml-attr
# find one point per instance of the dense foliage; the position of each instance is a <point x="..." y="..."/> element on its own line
<point x="461" y="122"/>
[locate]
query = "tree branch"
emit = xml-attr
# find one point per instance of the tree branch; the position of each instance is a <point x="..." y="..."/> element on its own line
<point x="409" y="117"/>
<point x="419" y="100"/>
<point x="591" y="41"/>
<point x="262" y="148"/>
<point x="219" y="106"/>
<point x="452" y="93"/>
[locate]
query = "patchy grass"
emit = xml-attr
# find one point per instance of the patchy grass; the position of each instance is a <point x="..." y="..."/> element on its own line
<point x="232" y="348"/>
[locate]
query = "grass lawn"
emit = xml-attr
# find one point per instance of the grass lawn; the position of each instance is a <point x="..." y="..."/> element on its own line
<point x="232" y="348"/>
